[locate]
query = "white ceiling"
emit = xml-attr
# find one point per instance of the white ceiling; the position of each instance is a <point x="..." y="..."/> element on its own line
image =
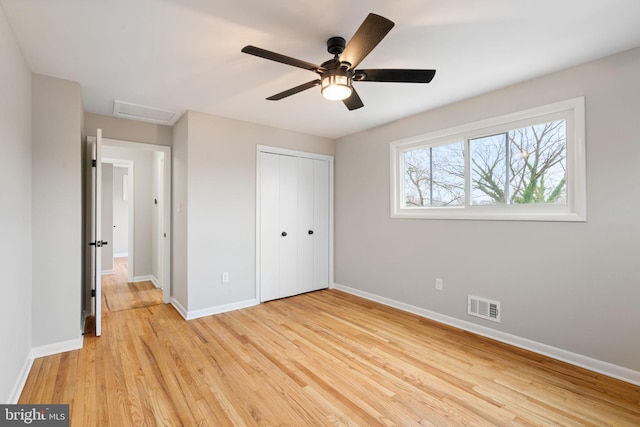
<point x="185" y="54"/>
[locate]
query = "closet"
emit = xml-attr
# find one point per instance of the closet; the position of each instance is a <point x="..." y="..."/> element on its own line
<point x="294" y="224"/>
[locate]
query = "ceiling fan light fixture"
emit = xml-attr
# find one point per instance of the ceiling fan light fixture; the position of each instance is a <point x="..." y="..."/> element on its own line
<point x="336" y="87"/>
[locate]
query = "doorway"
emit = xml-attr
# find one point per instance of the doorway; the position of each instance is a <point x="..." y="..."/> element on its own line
<point x="137" y="262"/>
<point x="147" y="192"/>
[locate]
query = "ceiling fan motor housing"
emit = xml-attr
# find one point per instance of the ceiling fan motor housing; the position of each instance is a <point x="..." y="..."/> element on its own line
<point x="336" y="45"/>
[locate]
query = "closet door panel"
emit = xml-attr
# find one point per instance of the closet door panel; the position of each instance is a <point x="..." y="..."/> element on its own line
<point x="288" y="210"/>
<point x="269" y="226"/>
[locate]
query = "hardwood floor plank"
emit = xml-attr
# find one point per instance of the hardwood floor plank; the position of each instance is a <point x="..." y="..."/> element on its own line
<point x="324" y="358"/>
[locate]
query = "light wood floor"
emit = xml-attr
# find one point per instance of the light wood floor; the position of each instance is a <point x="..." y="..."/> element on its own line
<point x="324" y="358"/>
<point x="118" y="294"/>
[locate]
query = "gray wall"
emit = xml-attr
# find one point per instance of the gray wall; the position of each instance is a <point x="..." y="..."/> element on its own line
<point x="15" y="212"/>
<point x="215" y="182"/>
<point x="57" y="210"/>
<point x="573" y="286"/>
<point x="179" y="229"/>
<point x="127" y="130"/>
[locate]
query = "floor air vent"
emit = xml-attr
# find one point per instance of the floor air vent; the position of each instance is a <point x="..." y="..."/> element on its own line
<point x="483" y="308"/>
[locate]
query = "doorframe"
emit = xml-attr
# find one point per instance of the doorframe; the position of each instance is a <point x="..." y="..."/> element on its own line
<point x="293" y="153"/>
<point x="166" y="209"/>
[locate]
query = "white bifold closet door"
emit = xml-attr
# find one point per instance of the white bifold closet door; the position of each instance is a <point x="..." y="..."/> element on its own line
<point x="294" y="225"/>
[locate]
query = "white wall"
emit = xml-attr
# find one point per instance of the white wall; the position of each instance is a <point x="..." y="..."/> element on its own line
<point x="219" y="178"/>
<point x="120" y="213"/>
<point x="57" y="211"/>
<point x="143" y="203"/>
<point x="572" y="286"/>
<point x="15" y="214"/>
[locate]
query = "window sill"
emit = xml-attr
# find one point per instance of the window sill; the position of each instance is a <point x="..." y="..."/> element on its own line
<point x="487" y="214"/>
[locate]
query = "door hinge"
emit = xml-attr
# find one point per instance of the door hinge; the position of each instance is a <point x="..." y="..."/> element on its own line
<point x="94" y="163"/>
<point x="93" y="292"/>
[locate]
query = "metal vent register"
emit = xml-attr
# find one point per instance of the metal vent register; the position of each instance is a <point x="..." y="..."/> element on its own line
<point x="483" y="308"/>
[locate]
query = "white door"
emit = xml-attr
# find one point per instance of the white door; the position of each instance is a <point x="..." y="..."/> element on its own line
<point x="294" y="225"/>
<point x="95" y="187"/>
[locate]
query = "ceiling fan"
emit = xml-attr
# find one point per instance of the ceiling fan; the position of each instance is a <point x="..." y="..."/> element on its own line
<point x="338" y="73"/>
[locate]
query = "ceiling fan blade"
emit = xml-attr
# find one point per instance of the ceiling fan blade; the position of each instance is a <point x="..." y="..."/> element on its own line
<point x="283" y="59"/>
<point x="294" y="90"/>
<point x="394" y="75"/>
<point x="353" y="102"/>
<point x="366" y="38"/>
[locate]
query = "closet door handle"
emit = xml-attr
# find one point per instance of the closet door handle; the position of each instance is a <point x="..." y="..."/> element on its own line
<point x="310" y="231"/>
<point x="284" y="234"/>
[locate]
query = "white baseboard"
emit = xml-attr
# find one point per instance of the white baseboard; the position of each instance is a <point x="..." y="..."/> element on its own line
<point x="58" y="347"/>
<point x="36" y="352"/>
<point x="121" y="255"/>
<point x="107" y="272"/>
<point x="576" y="359"/>
<point x="195" y="314"/>
<point x="22" y="380"/>
<point x="179" y="308"/>
<point x="147" y="278"/>
<point x="155" y="282"/>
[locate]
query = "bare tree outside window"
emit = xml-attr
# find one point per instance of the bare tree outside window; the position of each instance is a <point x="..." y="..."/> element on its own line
<point x="539" y="163"/>
<point x="488" y="169"/>
<point x="525" y="165"/>
<point x="434" y="176"/>
<point x="417" y="173"/>
<point x="520" y="166"/>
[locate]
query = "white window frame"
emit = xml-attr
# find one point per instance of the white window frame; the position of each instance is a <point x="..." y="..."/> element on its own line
<point x="572" y="111"/>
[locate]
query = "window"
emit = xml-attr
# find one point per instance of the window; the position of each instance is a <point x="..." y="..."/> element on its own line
<point x="524" y="166"/>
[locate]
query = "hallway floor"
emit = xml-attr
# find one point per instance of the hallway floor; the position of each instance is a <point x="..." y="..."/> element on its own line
<point x="118" y="294"/>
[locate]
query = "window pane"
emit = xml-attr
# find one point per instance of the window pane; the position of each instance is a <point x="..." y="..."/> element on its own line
<point x="488" y="169"/>
<point x="417" y="177"/>
<point x="434" y="176"/>
<point x="448" y="175"/>
<point x="538" y="164"/>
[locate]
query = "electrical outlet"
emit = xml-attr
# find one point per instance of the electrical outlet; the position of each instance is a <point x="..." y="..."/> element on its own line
<point x="225" y="277"/>
<point x="438" y="284"/>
